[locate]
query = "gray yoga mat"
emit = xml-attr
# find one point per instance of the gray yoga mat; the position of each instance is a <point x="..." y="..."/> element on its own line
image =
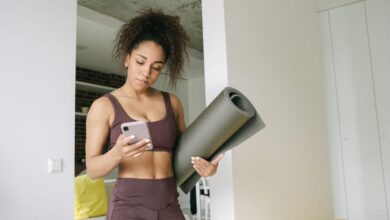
<point x="228" y="120"/>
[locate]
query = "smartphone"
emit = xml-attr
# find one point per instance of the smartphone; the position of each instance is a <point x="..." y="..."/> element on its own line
<point x="138" y="128"/>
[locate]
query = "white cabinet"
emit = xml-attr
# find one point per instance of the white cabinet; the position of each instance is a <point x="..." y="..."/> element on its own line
<point x="356" y="75"/>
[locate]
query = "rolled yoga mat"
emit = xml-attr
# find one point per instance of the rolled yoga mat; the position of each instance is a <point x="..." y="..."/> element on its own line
<point x="228" y="120"/>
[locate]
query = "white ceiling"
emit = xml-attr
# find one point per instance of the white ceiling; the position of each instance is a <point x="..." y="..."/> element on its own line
<point x="95" y="35"/>
<point x="189" y="11"/>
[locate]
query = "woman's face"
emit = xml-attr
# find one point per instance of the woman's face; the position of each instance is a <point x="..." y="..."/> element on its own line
<point x="145" y="63"/>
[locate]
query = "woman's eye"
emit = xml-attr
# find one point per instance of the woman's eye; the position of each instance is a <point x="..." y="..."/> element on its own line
<point x="157" y="68"/>
<point x="139" y="62"/>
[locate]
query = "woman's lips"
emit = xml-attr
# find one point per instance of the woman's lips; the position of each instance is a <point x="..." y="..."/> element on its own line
<point x="143" y="82"/>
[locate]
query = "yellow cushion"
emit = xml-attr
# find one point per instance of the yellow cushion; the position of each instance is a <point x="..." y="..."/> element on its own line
<point x="90" y="199"/>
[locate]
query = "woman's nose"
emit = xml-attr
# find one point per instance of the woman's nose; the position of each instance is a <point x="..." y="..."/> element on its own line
<point x="146" y="72"/>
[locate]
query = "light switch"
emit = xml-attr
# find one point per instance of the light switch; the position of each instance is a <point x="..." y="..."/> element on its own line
<point x="55" y="165"/>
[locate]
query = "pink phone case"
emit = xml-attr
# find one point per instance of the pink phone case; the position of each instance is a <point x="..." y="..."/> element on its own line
<point x="138" y="128"/>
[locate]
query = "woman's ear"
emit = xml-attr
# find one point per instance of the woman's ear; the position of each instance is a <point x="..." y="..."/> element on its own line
<point x="126" y="60"/>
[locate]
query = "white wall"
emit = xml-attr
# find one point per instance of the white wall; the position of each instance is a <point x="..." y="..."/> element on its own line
<point x="273" y="50"/>
<point x="37" y="86"/>
<point x="334" y="139"/>
<point x="356" y="52"/>
<point x="329" y="4"/>
<point x="291" y="175"/>
<point x="378" y="16"/>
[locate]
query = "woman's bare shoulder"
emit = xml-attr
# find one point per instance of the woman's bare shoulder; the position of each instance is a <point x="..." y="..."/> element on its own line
<point x="176" y="104"/>
<point x="101" y="108"/>
<point x="175" y="101"/>
<point x="101" y="103"/>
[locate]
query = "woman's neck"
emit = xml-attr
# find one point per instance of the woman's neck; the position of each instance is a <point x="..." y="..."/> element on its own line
<point x="128" y="90"/>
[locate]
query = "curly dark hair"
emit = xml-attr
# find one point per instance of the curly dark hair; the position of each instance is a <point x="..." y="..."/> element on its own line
<point x="165" y="30"/>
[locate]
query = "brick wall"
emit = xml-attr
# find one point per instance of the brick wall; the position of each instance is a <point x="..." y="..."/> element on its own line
<point x="105" y="79"/>
<point x="85" y="98"/>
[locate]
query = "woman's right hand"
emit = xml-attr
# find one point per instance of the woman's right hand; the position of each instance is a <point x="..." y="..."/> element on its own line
<point x="123" y="149"/>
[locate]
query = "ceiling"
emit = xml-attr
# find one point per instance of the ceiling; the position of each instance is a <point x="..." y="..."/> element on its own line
<point x="98" y="21"/>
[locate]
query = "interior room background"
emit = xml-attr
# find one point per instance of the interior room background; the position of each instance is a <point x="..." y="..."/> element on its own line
<point x="316" y="70"/>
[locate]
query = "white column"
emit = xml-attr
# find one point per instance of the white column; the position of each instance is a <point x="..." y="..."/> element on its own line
<point x="221" y="185"/>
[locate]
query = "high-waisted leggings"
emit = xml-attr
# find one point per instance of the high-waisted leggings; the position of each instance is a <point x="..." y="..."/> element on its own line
<point x="144" y="199"/>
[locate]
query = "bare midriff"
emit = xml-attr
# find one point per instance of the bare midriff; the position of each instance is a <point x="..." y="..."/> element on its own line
<point x="149" y="165"/>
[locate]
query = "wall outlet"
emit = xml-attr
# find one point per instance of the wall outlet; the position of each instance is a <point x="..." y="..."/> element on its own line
<point x="55" y="165"/>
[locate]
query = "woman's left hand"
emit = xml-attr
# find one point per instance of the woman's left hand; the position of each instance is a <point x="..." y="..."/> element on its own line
<point x="205" y="168"/>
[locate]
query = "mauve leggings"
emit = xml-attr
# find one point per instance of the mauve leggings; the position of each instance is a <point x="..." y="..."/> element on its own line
<point x="144" y="199"/>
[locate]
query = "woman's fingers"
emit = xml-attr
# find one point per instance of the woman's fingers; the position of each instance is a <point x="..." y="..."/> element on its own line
<point x="217" y="159"/>
<point x="136" y="149"/>
<point x="136" y="153"/>
<point x="203" y="167"/>
<point x="123" y="140"/>
<point x="125" y="146"/>
<point x="201" y="163"/>
<point x="199" y="171"/>
<point x="126" y="140"/>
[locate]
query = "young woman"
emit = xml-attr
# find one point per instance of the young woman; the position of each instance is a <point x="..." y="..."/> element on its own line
<point x="146" y="187"/>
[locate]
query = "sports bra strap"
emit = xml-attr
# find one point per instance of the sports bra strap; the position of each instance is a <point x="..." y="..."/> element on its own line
<point x="168" y="104"/>
<point x="119" y="113"/>
<point x="113" y="100"/>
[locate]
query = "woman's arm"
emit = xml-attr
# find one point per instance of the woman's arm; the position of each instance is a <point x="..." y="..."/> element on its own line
<point x="201" y="166"/>
<point x="97" y="130"/>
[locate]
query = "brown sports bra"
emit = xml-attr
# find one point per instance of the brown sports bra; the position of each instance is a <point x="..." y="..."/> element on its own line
<point x="163" y="132"/>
